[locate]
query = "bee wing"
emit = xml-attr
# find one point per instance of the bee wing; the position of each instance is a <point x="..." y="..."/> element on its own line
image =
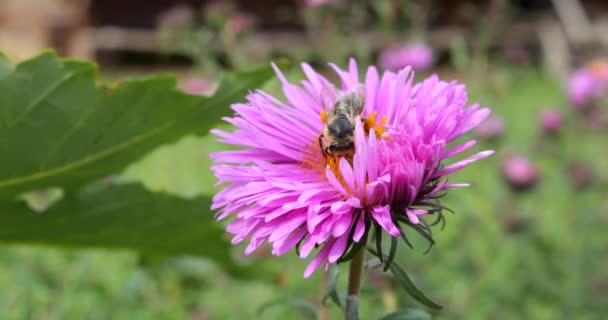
<point x="328" y="98"/>
<point x="359" y="90"/>
<point x="359" y="93"/>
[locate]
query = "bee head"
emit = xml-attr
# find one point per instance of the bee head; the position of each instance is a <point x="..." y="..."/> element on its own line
<point x="340" y="128"/>
<point x="338" y="147"/>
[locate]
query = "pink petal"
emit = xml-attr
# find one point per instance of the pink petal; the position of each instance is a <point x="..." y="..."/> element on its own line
<point x="382" y="215"/>
<point x="347" y="174"/>
<point x="318" y="259"/>
<point x="463" y="163"/>
<point x="338" y="248"/>
<point x="359" y="228"/>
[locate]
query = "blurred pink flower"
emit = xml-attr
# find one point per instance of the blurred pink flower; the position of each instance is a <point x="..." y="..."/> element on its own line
<point x="589" y="83"/>
<point x="239" y="23"/>
<point x="199" y="86"/>
<point x="583" y="88"/>
<point x="519" y="172"/>
<point x="550" y="121"/>
<point x="580" y="175"/>
<point x="419" y="56"/>
<point x="316" y="3"/>
<point x="176" y="16"/>
<point x="492" y="127"/>
<point x="282" y="189"/>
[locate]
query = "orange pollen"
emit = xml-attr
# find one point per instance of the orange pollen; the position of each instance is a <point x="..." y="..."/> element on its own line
<point x="323" y="116"/>
<point x="371" y="122"/>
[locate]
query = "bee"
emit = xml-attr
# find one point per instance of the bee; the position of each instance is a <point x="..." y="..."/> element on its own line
<point x="340" y="120"/>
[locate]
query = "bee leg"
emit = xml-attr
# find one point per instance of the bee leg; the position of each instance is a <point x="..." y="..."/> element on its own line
<point x="323" y="149"/>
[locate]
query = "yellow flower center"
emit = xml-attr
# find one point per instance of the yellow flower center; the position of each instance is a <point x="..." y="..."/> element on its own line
<point x="370" y="122"/>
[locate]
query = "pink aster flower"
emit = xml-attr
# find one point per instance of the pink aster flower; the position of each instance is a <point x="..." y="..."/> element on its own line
<point x="281" y="188"/>
<point x="582" y="88"/>
<point x="419" y="56"/>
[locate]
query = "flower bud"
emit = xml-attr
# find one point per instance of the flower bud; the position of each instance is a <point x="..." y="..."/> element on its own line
<point x="519" y="172"/>
<point x="580" y="175"/>
<point x="550" y="121"/>
<point x="493" y="127"/>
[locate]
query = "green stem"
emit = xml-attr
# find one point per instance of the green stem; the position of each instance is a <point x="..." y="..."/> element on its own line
<point x="351" y="311"/>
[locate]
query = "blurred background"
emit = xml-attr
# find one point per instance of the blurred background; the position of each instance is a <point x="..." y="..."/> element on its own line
<point x="528" y="240"/>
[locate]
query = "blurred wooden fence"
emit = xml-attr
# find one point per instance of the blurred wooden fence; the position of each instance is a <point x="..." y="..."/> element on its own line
<point x="83" y="27"/>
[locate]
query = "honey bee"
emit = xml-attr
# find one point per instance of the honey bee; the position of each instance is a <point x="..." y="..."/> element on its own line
<point x="340" y="120"/>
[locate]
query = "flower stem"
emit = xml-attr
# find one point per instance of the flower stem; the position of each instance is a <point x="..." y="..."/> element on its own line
<point x="355" y="271"/>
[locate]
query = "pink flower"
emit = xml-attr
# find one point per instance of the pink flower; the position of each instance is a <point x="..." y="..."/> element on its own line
<point x="316" y="3"/>
<point x="519" y="172"/>
<point x="177" y="16"/>
<point x="419" y="56"/>
<point x="492" y="127"/>
<point x="239" y="23"/>
<point x="281" y="188"/>
<point x="198" y="86"/>
<point x="582" y="88"/>
<point x="550" y="121"/>
<point x="588" y="84"/>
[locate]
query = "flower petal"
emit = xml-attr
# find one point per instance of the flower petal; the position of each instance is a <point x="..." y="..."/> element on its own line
<point x="319" y="259"/>
<point x="382" y="215"/>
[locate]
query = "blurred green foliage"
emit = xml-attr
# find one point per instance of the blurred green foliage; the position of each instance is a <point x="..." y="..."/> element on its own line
<point x="504" y="255"/>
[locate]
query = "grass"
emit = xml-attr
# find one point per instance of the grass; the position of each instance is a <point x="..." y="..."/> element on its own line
<point x="551" y="267"/>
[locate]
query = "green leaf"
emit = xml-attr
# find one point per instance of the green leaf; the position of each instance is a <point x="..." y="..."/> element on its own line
<point x="59" y="128"/>
<point x="391" y="255"/>
<point x="411" y="288"/>
<point x="408" y="314"/>
<point x="306" y="308"/>
<point x="408" y="285"/>
<point x="122" y="216"/>
<point x="332" y="287"/>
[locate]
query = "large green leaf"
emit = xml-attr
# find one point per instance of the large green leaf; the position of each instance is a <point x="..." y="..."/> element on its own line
<point x="5" y="65"/>
<point x="121" y="216"/>
<point x="58" y="127"/>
